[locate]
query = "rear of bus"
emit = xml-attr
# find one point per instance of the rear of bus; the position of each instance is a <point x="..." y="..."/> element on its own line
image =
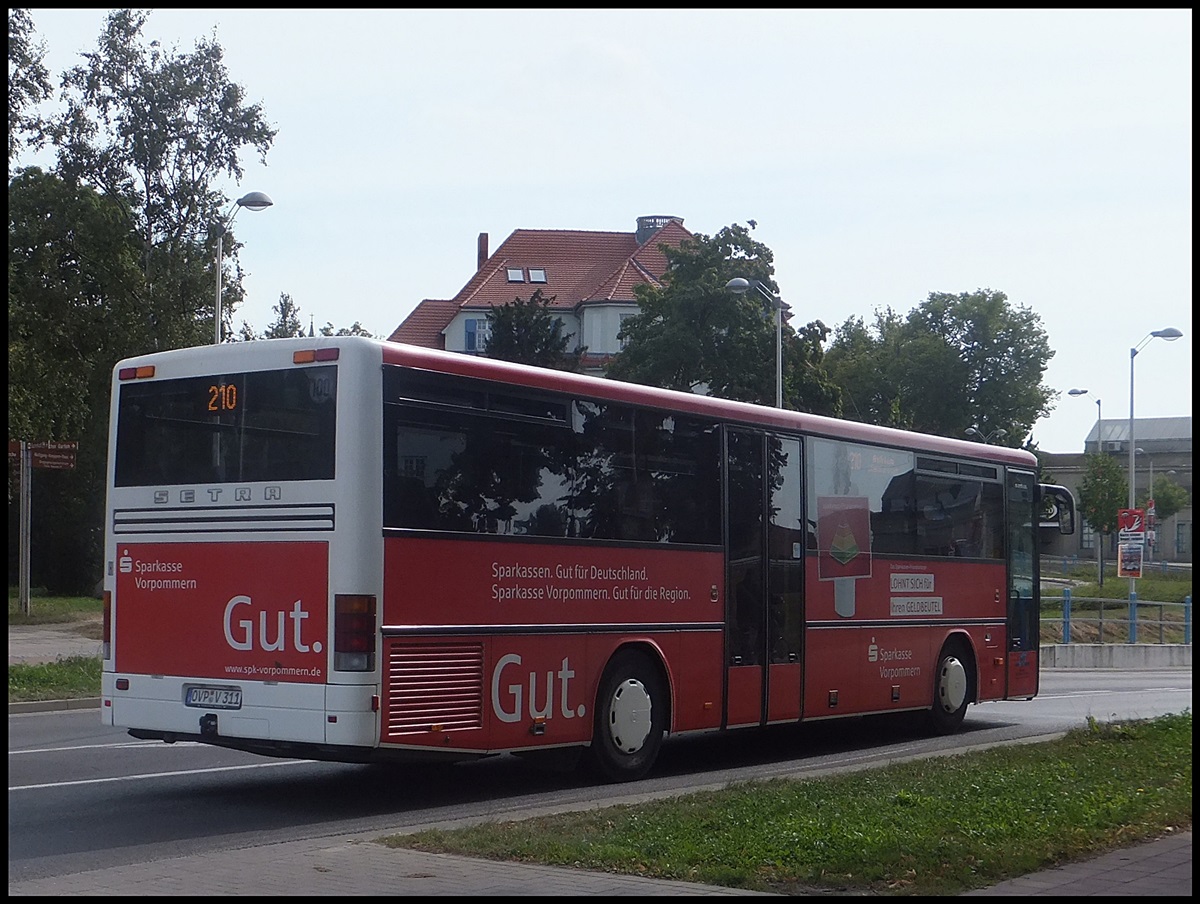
<point x="243" y="552"/>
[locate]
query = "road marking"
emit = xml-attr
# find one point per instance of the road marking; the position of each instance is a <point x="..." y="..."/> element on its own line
<point x="134" y="778"/>
<point x="139" y="744"/>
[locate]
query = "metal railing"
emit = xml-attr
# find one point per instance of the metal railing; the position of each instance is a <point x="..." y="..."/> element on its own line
<point x="1063" y="566"/>
<point x="1100" y="620"/>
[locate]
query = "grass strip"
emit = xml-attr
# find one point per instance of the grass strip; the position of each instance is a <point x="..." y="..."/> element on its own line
<point x="938" y="826"/>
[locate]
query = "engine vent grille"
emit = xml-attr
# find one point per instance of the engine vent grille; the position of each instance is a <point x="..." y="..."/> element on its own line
<point x="433" y="687"/>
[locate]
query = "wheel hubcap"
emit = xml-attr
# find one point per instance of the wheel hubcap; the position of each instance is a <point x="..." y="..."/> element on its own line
<point x="952" y="684"/>
<point x="629" y="716"/>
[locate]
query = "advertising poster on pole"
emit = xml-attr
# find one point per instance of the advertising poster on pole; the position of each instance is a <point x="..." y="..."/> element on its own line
<point x="1129" y="560"/>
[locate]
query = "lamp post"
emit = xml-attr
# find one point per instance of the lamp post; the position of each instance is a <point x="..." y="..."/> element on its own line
<point x="739" y="286"/>
<point x="1083" y="392"/>
<point x="255" y="200"/>
<point x="1170" y="334"/>
<point x="998" y="433"/>
<point x="1099" y="537"/>
<point x="1150" y="524"/>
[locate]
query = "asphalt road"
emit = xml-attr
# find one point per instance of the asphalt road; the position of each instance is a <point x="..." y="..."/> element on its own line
<point x="83" y="796"/>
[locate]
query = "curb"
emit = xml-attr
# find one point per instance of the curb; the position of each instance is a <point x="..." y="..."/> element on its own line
<point x="46" y="706"/>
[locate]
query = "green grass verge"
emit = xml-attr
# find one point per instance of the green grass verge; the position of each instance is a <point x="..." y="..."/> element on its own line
<point x="52" y="610"/>
<point x="938" y="826"/>
<point x="68" y="678"/>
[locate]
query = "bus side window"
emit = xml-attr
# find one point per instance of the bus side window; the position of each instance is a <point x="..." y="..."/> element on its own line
<point x="409" y="503"/>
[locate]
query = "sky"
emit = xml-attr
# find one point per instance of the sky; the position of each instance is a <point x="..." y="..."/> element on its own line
<point x="883" y="154"/>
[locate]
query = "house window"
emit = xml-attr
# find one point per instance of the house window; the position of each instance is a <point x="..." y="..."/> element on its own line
<point x="537" y="275"/>
<point x="1087" y="536"/>
<point x="477" y="334"/>
<point x="1183" y="538"/>
<point x="516" y="274"/>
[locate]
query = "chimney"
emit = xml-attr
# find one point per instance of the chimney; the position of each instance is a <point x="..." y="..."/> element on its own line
<point x="482" y="251"/>
<point x="647" y="226"/>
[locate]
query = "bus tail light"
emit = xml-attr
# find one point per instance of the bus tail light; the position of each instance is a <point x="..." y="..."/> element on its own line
<point x="106" y="637"/>
<point x="354" y="632"/>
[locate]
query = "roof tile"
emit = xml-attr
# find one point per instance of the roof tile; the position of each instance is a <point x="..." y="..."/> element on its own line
<point x="424" y="325"/>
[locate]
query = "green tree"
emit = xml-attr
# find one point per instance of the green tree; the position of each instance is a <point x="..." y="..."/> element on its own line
<point x="896" y="375"/>
<point x="954" y="362"/>
<point x="692" y="334"/>
<point x="1169" y="498"/>
<point x="287" y="320"/>
<point x="529" y="332"/>
<point x="156" y="128"/>
<point x="74" y="310"/>
<point x="357" y="329"/>
<point x="1103" y="492"/>
<point x="28" y="81"/>
<point x="289" y="325"/>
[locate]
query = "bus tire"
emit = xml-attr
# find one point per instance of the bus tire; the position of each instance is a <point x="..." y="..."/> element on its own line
<point x="951" y="689"/>
<point x="630" y="718"/>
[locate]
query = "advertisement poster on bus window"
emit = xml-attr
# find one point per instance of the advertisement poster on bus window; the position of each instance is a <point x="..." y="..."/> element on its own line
<point x="844" y="537"/>
<point x="232" y="611"/>
<point x="1129" y="560"/>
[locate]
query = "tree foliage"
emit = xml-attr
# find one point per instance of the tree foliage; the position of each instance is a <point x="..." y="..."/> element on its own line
<point x="1169" y="498"/>
<point x="356" y="329"/>
<point x="28" y="81"/>
<point x="528" y="332"/>
<point x="157" y="128"/>
<point x="1103" y="492"/>
<point x="286" y="324"/>
<point x="692" y="334"/>
<point x="74" y="310"/>
<point x="953" y="362"/>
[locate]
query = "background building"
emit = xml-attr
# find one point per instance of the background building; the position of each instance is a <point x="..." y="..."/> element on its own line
<point x="1164" y="448"/>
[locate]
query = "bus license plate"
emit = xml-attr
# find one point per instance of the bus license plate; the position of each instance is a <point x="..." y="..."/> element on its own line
<point x="213" y="697"/>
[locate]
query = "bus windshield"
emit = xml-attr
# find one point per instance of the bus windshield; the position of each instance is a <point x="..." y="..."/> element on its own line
<point x="224" y="428"/>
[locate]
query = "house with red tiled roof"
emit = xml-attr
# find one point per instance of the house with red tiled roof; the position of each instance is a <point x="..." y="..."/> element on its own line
<point x="589" y="275"/>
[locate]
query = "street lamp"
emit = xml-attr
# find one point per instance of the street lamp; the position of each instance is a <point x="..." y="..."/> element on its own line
<point x="739" y="286"/>
<point x="255" y="200"/>
<point x="1170" y="334"/>
<point x="1140" y="451"/>
<point x="1099" y="444"/>
<point x="998" y="433"/>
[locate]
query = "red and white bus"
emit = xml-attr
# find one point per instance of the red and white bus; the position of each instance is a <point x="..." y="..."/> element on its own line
<point x="353" y="550"/>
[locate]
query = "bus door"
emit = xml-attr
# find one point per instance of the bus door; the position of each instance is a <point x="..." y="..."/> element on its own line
<point x="764" y="544"/>
<point x="1021" y="661"/>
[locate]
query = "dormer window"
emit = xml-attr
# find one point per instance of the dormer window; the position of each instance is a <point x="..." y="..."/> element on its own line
<point x="537" y="275"/>
<point x="516" y="274"/>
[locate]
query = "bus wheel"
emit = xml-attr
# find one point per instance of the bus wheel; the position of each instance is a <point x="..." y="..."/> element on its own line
<point x="951" y="688"/>
<point x="631" y="708"/>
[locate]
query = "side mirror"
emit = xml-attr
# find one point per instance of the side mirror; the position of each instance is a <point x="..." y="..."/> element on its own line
<point x="1057" y="508"/>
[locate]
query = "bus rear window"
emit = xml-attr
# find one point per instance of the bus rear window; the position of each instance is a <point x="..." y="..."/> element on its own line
<point x="228" y="428"/>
